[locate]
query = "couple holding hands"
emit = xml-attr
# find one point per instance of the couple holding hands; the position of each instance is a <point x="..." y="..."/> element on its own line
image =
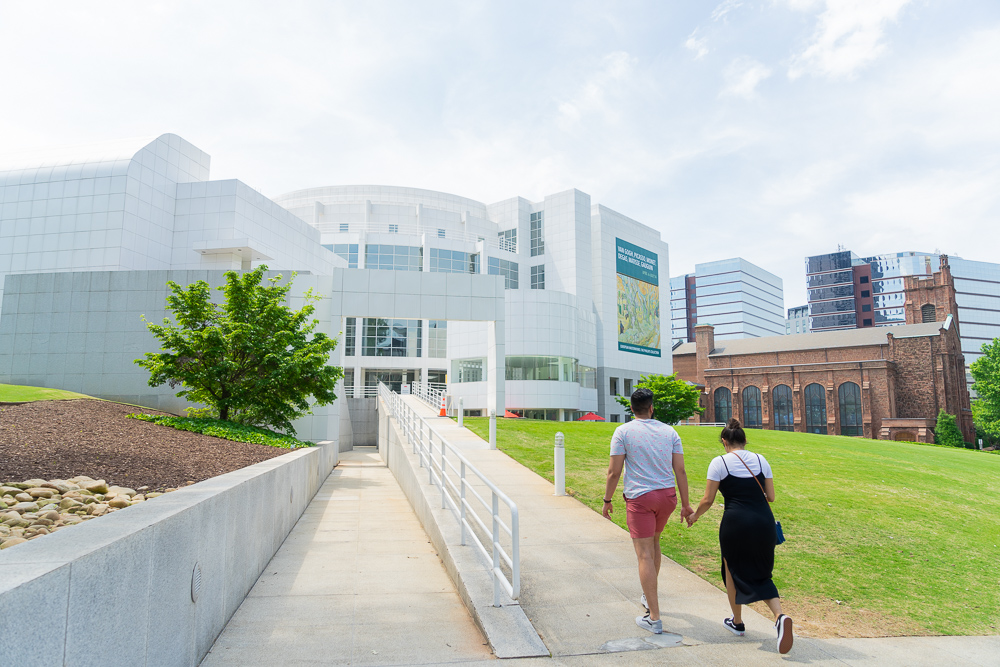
<point x="651" y="455"/>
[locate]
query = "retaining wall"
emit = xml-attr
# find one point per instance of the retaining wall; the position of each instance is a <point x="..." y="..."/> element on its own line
<point x="120" y="590"/>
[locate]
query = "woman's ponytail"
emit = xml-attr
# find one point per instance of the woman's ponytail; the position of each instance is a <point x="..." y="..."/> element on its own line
<point x="734" y="433"/>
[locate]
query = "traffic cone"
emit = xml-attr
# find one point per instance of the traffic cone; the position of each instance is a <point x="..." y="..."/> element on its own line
<point x="443" y="413"/>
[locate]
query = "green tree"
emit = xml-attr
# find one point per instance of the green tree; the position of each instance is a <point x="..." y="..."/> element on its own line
<point x="946" y="432"/>
<point x="251" y="359"/>
<point x="986" y="373"/>
<point x="673" y="399"/>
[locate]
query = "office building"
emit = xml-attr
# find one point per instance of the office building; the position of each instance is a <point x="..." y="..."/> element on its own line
<point x="798" y="320"/>
<point x="739" y="299"/>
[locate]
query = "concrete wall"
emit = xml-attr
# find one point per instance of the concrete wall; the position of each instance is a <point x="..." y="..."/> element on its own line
<point x="358" y="424"/>
<point x="118" y="590"/>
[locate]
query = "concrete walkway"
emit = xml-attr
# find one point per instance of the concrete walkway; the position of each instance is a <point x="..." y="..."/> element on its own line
<point x="580" y="589"/>
<point x="356" y="582"/>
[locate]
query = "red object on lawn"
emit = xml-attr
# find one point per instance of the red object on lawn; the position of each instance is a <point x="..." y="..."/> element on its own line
<point x="591" y="417"/>
<point x="508" y="413"/>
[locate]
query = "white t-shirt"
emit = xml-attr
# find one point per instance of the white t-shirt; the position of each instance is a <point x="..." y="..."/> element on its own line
<point x="649" y="447"/>
<point x="717" y="469"/>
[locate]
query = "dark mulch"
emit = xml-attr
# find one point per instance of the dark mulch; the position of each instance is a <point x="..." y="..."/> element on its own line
<point x="63" y="439"/>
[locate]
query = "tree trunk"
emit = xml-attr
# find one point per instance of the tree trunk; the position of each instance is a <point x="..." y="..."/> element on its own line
<point x="224" y="413"/>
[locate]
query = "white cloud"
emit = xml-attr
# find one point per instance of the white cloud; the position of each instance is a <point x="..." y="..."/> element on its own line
<point x="591" y="97"/>
<point x="699" y="45"/>
<point x="742" y="76"/>
<point x="719" y="13"/>
<point x="848" y="37"/>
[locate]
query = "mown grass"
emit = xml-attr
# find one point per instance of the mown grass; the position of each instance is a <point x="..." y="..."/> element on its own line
<point x="15" y="393"/>
<point x="224" y="429"/>
<point x="895" y="538"/>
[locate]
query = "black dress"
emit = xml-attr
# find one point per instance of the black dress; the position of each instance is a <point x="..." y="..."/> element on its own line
<point x="747" y="537"/>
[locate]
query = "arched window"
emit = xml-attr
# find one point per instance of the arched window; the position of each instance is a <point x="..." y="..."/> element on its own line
<point x="850" y="409"/>
<point x="815" y="409"/>
<point x="928" y="313"/>
<point x="723" y="405"/>
<point x="781" y="406"/>
<point x="751" y="407"/>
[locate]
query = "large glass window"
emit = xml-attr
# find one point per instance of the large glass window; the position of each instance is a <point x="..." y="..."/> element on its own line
<point x="560" y="369"/>
<point x="350" y="336"/>
<point x="348" y="251"/>
<point x="538" y="277"/>
<point x="588" y="377"/>
<point x="507" y="240"/>
<point x="437" y="339"/>
<point x="391" y="338"/>
<point x="751" y="407"/>
<point x="453" y="261"/>
<point x="781" y="406"/>
<point x="394" y="257"/>
<point x="723" y="405"/>
<point x="824" y="279"/>
<point x="851" y="422"/>
<point x="501" y="267"/>
<point x="393" y="378"/>
<point x="468" y="370"/>
<point x="815" y="409"/>
<point x="537" y="234"/>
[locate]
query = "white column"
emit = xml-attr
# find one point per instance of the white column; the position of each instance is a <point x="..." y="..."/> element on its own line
<point x="495" y="367"/>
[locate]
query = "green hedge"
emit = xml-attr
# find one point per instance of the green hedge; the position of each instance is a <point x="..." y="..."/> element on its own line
<point x="224" y="429"/>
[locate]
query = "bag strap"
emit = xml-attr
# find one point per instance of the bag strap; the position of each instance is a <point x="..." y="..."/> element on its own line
<point x="751" y="473"/>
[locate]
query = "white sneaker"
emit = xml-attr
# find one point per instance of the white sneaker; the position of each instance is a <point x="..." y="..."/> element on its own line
<point x="785" y="638"/>
<point x="644" y="622"/>
<point x="642" y="601"/>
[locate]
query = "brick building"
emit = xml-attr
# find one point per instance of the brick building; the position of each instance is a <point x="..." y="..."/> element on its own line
<point x="880" y="382"/>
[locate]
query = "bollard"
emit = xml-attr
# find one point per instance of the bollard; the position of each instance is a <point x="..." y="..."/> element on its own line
<point x="493" y="429"/>
<point x="461" y="412"/>
<point x="560" y="465"/>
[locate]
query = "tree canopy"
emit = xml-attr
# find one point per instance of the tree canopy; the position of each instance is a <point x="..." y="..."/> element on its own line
<point x="986" y="373"/>
<point x="673" y="398"/>
<point x="250" y="359"/>
<point x="946" y="432"/>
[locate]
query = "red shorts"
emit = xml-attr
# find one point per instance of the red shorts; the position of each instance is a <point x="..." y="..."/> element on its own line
<point x="647" y="514"/>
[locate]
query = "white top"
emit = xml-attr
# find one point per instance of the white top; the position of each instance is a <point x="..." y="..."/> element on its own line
<point x="717" y="468"/>
<point x="649" y="447"/>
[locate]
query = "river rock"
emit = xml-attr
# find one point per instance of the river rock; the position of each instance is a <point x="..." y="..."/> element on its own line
<point x="66" y="503"/>
<point x="100" y="486"/>
<point x="23" y="497"/>
<point x="98" y="509"/>
<point x="21" y="508"/>
<point x="51" y="515"/>
<point x="11" y="542"/>
<point x="8" y="490"/>
<point x="21" y="486"/>
<point x="79" y="479"/>
<point x="119" y="502"/>
<point x="153" y="494"/>
<point x="40" y="492"/>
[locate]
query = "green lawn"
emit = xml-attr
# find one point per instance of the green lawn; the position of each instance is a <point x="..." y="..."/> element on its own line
<point x="882" y="537"/>
<point x="15" y="393"/>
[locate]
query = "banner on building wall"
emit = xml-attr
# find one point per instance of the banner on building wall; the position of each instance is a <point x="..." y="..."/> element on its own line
<point x="638" y="299"/>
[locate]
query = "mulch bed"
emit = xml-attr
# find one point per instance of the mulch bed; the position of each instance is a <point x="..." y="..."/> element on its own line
<point x="63" y="439"/>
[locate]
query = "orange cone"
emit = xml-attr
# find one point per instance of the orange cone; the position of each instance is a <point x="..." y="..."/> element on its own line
<point x="443" y="413"/>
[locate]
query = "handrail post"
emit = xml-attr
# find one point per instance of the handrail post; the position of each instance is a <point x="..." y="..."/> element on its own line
<point x="493" y="429"/>
<point x="461" y="412"/>
<point x="430" y="457"/>
<point x="496" y="550"/>
<point x="462" y="521"/>
<point x="443" y="464"/>
<point x="560" y="465"/>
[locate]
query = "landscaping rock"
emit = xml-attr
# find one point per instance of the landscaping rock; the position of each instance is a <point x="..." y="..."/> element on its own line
<point x="12" y="541"/>
<point x="100" y="486"/>
<point x="41" y="492"/>
<point x="119" y="502"/>
<point x="23" y="497"/>
<point x="21" y="508"/>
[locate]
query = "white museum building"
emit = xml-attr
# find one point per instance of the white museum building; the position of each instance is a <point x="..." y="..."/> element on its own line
<point x="547" y="309"/>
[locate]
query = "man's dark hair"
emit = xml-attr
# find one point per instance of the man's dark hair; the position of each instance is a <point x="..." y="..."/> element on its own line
<point x="642" y="400"/>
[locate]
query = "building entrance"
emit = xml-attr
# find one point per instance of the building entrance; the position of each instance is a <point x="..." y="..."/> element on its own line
<point x="392" y="377"/>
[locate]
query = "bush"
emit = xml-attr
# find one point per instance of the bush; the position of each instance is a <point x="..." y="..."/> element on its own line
<point x="947" y="432"/>
<point x="224" y="429"/>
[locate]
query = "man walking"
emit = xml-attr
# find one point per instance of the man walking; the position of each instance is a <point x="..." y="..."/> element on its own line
<point x="651" y="454"/>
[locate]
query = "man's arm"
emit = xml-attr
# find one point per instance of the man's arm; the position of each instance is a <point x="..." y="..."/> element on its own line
<point x="615" y="466"/>
<point x="681" y="478"/>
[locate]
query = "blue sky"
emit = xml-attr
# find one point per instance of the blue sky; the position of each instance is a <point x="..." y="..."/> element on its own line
<point x="769" y="130"/>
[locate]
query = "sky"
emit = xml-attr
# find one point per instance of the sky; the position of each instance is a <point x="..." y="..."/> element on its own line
<point x="769" y="130"/>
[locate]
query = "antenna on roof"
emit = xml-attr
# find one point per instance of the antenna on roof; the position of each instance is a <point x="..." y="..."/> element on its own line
<point x="841" y="248"/>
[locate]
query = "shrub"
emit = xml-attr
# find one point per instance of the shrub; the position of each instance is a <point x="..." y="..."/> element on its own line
<point x="947" y="432"/>
<point x="224" y="429"/>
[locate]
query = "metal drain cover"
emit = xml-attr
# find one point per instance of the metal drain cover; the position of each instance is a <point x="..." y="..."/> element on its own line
<point x="196" y="582"/>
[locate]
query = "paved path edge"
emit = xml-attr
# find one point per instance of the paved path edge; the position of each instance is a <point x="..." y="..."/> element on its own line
<point x="507" y="629"/>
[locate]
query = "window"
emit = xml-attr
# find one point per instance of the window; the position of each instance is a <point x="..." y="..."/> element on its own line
<point x="347" y="251"/>
<point x="393" y="229"/>
<point x="501" y="267"/>
<point x="815" y="409"/>
<point x="348" y="382"/>
<point x="866" y="308"/>
<point x="781" y="403"/>
<point x="613" y="386"/>
<point x="390" y="338"/>
<point x="588" y="377"/>
<point x="437" y="339"/>
<point x="350" y="336"/>
<point x="751" y="407"/>
<point x="537" y="234"/>
<point x="437" y="376"/>
<point x="344" y="227"/>
<point x="928" y="313"/>
<point x="850" y="409"/>
<point x="394" y="378"/>
<point x="453" y="261"/>
<point x="440" y="233"/>
<point x="468" y="370"/>
<point x="615" y="419"/>
<point x="865" y="293"/>
<point x="723" y="405"/>
<point x="867" y="322"/>
<point x="507" y="240"/>
<point x="864" y="280"/>
<point x="628" y="387"/>
<point x="394" y="257"/>
<point x="538" y="277"/>
<point x="560" y="369"/>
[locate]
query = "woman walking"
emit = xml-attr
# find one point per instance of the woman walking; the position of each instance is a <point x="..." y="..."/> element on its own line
<point x="746" y="533"/>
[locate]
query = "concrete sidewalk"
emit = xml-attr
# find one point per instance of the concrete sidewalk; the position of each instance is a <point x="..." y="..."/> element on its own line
<point x="580" y="589"/>
<point x="356" y="582"/>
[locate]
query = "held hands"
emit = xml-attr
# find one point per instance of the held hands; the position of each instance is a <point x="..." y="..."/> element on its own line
<point x="688" y="514"/>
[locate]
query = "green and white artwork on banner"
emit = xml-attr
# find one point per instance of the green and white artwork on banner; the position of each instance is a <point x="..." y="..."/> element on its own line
<point x="638" y="299"/>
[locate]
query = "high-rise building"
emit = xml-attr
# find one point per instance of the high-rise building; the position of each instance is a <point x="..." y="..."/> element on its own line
<point x="740" y="299"/>
<point x="798" y="320"/>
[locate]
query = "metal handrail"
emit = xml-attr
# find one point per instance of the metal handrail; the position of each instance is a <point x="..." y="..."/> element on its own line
<point x="449" y="470"/>
<point x="428" y="393"/>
